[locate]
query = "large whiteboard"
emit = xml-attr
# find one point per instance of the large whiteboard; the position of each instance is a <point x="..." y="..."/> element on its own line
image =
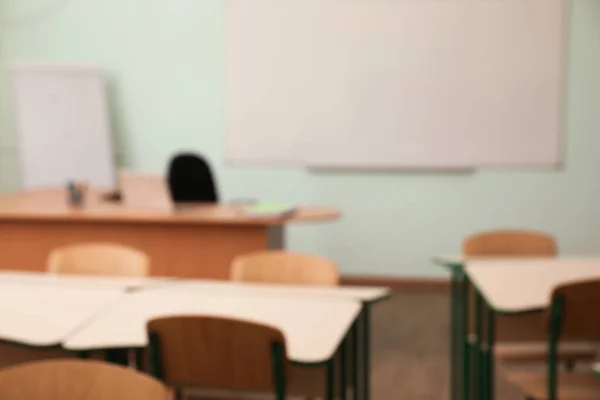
<point x="395" y="83"/>
<point x="63" y="126"/>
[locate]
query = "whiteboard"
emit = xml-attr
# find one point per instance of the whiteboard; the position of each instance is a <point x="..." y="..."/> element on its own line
<point x="395" y="83"/>
<point x="63" y="126"/>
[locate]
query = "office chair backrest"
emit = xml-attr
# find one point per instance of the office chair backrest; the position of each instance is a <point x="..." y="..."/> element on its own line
<point x="77" y="380"/>
<point x="191" y="179"/>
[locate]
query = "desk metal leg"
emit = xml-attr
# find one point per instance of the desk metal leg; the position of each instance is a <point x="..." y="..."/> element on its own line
<point x="330" y="390"/>
<point x="464" y="339"/>
<point x="155" y="357"/>
<point x="478" y="377"/>
<point x="139" y="359"/>
<point x="117" y="356"/>
<point x="355" y="353"/>
<point x="343" y="370"/>
<point x="279" y="376"/>
<point x="454" y="288"/>
<point x="490" y="359"/>
<point x="366" y="351"/>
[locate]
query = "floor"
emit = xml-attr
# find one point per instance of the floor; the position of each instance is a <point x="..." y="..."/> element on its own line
<point x="410" y="350"/>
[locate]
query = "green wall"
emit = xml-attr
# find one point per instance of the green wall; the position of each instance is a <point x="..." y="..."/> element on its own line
<point x="165" y="59"/>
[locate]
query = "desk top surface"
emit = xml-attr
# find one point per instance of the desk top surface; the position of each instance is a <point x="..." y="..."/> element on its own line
<point x="313" y="327"/>
<point x="40" y="309"/>
<point x="366" y="294"/>
<point x="51" y="204"/>
<point x="81" y="281"/>
<point x="517" y="285"/>
<point x="43" y="315"/>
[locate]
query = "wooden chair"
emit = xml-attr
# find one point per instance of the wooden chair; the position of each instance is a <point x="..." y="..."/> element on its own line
<point x="218" y="353"/>
<point x="285" y="268"/>
<point x="521" y="338"/>
<point x="282" y="267"/>
<point x="77" y="380"/>
<point x="573" y="315"/>
<point x="99" y="259"/>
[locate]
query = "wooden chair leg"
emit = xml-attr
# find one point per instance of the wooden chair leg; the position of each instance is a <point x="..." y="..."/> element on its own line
<point x="177" y="393"/>
<point x="570" y="365"/>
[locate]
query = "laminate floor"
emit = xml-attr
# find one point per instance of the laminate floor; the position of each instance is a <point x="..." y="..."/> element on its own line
<point x="410" y="349"/>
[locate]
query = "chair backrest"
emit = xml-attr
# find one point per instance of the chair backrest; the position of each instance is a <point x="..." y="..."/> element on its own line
<point x="285" y="268"/>
<point x="99" y="259"/>
<point x="510" y="243"/>
<point x="575" y="305"/>
<point x="77" y="380"/>
<point x="218" y="353"/>
<point x="191" y="179"/>
<point x="573" y="315"/>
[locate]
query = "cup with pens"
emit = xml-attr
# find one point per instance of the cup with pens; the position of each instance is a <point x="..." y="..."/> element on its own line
<point x="77" y="191"/>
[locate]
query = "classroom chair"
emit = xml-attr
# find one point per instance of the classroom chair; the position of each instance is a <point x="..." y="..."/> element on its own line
<point x="191" y="179"/>
<point x="99" y="259"/>
<point x="77" y="380"/>
<point x="218" y="353"/>
<point x="573" y="315"/>
<point x="284" y="268"/>
<point x="521" y="338"/>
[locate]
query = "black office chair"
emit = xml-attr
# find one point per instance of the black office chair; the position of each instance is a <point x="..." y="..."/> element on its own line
<point x="191" y="179"/>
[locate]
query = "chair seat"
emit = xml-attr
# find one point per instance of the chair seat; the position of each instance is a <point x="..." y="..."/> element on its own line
<point x="571" y="386"/>
<point x="537" y="352"/>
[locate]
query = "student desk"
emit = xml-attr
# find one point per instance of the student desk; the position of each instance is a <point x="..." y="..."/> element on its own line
<point x="515" y="286"/>
<point x="314" y="328"/>
<point x="367" y="296"/>
<point x="41" y="309"/>
<point x="315" y="320"/>
<point x="44" y="315"/>
<point x="196" y="241"/>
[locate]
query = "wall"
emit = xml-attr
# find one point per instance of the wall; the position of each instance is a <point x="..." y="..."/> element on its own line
<point x="165" y="59"/>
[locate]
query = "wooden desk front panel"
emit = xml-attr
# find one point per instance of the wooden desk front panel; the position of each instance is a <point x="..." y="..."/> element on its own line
<point x="178" y="250"/>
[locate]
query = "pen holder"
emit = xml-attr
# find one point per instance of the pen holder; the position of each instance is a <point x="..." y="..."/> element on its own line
<point x="76" y="194"/>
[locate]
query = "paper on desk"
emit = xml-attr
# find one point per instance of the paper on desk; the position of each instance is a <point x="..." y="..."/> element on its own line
<point x="269" y="209"/>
